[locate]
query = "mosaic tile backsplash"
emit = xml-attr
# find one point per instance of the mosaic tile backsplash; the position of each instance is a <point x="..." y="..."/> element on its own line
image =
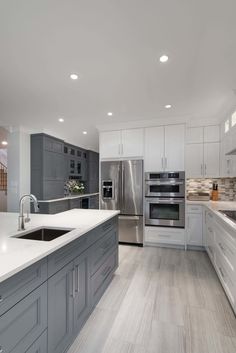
<point x="226" y="187"/>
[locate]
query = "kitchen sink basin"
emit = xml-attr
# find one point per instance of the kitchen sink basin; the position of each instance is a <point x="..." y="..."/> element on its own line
<point x="44" y="234"/>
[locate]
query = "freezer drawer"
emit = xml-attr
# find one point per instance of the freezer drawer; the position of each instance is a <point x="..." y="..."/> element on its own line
<point x="131" y="229"/>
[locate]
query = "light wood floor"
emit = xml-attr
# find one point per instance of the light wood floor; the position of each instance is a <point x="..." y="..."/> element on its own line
<point x="162" y="301"/>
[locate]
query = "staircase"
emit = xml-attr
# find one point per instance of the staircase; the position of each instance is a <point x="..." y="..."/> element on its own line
<point x="3" y="178"/>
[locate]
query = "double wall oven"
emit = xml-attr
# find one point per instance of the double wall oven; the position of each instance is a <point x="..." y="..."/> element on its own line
<point x="165" y="199"/>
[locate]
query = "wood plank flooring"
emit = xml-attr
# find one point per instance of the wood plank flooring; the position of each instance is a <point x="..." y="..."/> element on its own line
<point x="161" y="301"/>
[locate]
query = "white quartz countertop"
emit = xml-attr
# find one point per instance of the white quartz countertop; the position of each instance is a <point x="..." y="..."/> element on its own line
<point x="17" y="254"/>
<point x="79" y="196"/>
<point x="215" y="206"/>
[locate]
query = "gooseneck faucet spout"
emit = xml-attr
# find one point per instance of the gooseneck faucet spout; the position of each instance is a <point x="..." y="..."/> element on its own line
<point x="21" y="218"/>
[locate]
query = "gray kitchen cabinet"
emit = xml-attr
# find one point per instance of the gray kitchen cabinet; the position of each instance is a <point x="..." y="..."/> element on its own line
<point x="40" y="345"/>
<point x="24" y="322"/>
<point x="43" y="307"/>
<point x="94" y="202"/>
<point x="54" y="207"/>
<point x="60" y="309"/>
<point x="20" y="285"/>
<point x="47" y="167"/>
<point x="93" y="172"/>
<point x="81" y="300"/>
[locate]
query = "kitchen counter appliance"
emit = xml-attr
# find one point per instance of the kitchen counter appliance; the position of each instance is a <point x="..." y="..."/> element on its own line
<point x="122" y="189"/>
<point x="165" y="199"/>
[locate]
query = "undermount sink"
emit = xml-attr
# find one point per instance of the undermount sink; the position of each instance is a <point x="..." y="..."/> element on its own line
<point x="44" y="234"/>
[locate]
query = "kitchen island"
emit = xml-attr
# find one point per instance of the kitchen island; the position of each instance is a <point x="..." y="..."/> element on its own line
<point x="49" y="288"/>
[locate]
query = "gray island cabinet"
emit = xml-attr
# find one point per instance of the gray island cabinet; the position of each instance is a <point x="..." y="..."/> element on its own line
<point x="43" y="307"/>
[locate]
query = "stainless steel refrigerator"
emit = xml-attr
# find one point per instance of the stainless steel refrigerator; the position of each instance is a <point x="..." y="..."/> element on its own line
<point x="122" y="189"/>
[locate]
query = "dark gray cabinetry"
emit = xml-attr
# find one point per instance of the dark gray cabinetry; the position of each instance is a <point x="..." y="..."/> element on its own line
<point x="94" y="202"/>
<point x="24" y="322"/>
<point x="93" y="172"/>
<point x="47" y="167"/>
<point x="54" y="207"/>
<point x="40" y="345"/>
<point x="44" y="307"/>
<point x="60" y="309"/>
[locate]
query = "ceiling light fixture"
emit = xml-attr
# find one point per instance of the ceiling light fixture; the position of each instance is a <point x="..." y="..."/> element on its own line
<point x="164" y="58"/>
<point x="61" y="120"/>
<point x="85" y="132"/>
<point x="168" y="106"/>
<point x="109" y="113"/>
<point x="4" y="143"/>
<point x="74" y="76"/>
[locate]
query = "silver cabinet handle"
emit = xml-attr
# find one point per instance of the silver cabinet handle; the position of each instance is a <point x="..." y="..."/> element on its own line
<point x="77" y="278"/>
<point x="162" y="164"/>
<point x="221" y="272"/>
<point x="201" y="170"/>
<point x="205" y="169"/>
<point x="73" y="283"/>
<point x="165" y="163"/>
<point x="1" y="300"/>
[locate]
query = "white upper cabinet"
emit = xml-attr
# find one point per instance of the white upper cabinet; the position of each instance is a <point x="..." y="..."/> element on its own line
<point x="164" y="148"/>
<point x="110" y="144"/>
<point x="132" y="143"/>
<point x="203" y="152"/>
<point x="194" y="135"/>
<point x="154" y="149"/>
<point x="212" y="160"/>
<point x="174" y="147"/>
<point x="212" y="133"/>
<point x="194" y="160"/>
<point x="121" y="144"/>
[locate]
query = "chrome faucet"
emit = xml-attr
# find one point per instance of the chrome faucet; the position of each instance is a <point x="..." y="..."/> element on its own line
<point x="21" y="219"/>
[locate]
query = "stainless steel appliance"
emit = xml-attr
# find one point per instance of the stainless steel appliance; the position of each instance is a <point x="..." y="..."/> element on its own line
<point x="122" y="189"/>
<point x="230" y="214"/>
<point x="165" y="199"/>
<point x="169" y="184"/>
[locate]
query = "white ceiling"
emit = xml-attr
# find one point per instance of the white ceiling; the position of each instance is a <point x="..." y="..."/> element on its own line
<point x="114" y="45"/>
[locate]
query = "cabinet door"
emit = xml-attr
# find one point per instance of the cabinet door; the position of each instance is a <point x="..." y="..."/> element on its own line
<point x="110" y="144"/>
<point x="194" y="134"/>
<point x="194" y="160"/>
<point x="132" y="143"/>
<point x="212" y="133"/>
<point x="225" y="161"/>
<point x="212" y="160"/>
<point x="81" y="301"/>
<point x="60" y="310"/>
<point x="174" y="147"/>
<point x="154" y="149"/>
<point x="194" y="229"/>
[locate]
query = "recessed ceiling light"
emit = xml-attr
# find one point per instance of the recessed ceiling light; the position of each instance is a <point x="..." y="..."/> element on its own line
<point x="74" y="76"/>
<point x="168" y="106"/>
<point x="85" y="132"/>
<point x="164" y="58"/>
<point x="109" y="113"/>
<point x="61" y="120"/>
<point x="4" y="143"/>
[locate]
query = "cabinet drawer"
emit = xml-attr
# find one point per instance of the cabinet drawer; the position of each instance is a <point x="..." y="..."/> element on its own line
<point x="159" y="235"/>
<point x="226" y="278"/>
<point x="194" y="209"/>
<point x="102" y="278"/>
<point x="66" y="254"/>
<point x="226" y="249"/>
<point x="39" y="346"/>
<point x="101" y="230"/>
<point x="25" y="322"/>
<point x="102" y="248"/>
<point x="18" y="286"/>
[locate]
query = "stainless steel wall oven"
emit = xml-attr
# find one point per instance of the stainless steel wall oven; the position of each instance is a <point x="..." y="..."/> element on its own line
<point x="165" y="199"/>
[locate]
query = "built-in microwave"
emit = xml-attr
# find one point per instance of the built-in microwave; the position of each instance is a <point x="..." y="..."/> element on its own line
<point x="165" y="184"/>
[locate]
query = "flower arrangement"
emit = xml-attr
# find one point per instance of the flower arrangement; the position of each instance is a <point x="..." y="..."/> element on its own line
<point x="75" y="187"/>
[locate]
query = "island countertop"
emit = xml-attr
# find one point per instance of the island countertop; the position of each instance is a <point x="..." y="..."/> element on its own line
<point x="17" y="254"/>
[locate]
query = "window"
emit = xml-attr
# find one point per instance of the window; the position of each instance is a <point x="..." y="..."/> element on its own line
<point x="226" y="125"/>
<point x="233" y="119"/>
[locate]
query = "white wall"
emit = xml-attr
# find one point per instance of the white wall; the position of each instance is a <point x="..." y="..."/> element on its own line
<point x="18" y="168"/>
